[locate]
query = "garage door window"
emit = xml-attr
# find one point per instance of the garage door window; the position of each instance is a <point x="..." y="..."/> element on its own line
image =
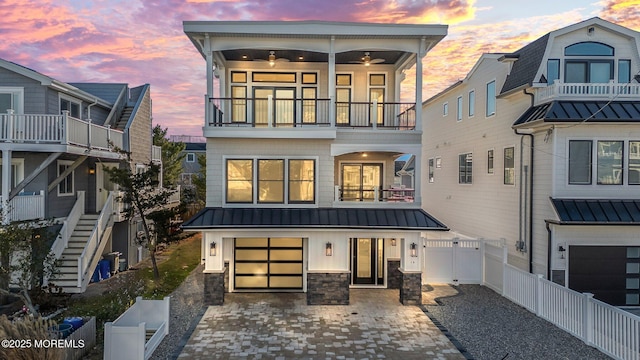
<point x="268" y="263"/>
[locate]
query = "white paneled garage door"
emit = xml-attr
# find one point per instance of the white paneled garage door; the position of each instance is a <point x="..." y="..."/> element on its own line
<point x="268" y="263"/>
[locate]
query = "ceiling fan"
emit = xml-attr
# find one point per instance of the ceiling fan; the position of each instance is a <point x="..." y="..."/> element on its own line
<point x="272" y="59"/>
<point x="367" y="60"/>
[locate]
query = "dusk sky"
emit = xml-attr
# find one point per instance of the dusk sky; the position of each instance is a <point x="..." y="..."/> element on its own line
<point x="141" y="41"/>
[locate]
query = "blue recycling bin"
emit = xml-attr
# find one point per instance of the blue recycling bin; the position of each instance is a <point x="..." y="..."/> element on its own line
<point x="96" y="274"/>
<point x="105" y="268"/>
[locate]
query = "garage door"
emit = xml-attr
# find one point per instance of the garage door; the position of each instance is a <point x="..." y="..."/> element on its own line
<point x="610" y="273"/>
<point x="268" y="263"/>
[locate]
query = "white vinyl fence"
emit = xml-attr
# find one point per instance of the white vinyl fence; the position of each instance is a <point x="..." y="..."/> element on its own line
<point x="455" y="261"/>
<point x="613" y="331"/>
<point x="138" y="331"/>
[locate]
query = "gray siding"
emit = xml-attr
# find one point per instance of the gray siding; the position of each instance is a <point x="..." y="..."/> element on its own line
<point x="140" y="127"/>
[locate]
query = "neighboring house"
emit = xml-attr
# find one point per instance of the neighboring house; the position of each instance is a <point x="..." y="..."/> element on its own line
<point x="59" y="138"/>
<point x="190" y="165"/>
<point x="542" y="147"/>
<point x="302" y="137"/>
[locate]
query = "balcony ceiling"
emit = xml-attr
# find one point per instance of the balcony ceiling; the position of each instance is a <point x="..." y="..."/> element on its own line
<point x="389" y="57"/>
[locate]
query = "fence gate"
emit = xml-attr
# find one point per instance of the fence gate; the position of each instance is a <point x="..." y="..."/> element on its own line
<point x="452" y="261"/>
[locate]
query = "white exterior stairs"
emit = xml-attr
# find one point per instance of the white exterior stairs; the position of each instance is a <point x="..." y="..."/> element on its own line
<point x="80" y="244"/>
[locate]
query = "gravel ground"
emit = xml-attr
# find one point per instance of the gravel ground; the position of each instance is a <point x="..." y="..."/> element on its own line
<point x="186" y="309"/>
<point x="491" y="327"/>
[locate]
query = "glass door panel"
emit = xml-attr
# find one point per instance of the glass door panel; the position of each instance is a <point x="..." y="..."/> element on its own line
<point x="371" y="180"/>
<point x="284" y="106"/>
<point x="309" y="105"/>
<point x="351" y="182"/>
<point x="377" y="94"/>
<point x="261" y="106"/>
<point x="367" y="261"/>
<point x="343" y="101"/>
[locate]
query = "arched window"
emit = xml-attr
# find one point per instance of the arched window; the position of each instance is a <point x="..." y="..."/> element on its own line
<point x="588" y="48"/>
<point x="585" y="63"/>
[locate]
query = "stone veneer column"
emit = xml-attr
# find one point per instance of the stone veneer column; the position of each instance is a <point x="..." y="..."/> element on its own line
<point x="394" y="276"/>
<point x="411" y="288"/>
<point x="328" y="288"/>
<point x="214" y="287"/>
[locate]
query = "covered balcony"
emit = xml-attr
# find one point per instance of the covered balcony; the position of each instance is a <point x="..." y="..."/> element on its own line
<point x="375" y="179"/>
<point x="286" y="113"/>
<point x="586" y="91"/>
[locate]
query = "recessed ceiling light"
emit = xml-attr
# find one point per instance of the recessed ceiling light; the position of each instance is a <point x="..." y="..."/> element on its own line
<point x="245" y="56"/>
<point x="300" y="57"/>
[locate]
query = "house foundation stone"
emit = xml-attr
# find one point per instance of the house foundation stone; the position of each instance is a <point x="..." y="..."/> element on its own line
<point x="214" y="288"/>
<point x="394" y="276"/>
<point x="328" y="288"/>
<point x="411" y="288"/>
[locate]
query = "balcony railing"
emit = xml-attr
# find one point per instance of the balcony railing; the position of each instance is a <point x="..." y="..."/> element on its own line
<point x="374" y="194"/>
<point x="57" y="129"/>
<point x="25" y="207"/>
<point x="587" y="91"/>
<point x="287" y="113"/>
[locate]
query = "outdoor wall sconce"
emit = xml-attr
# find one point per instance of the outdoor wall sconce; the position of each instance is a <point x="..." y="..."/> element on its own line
<point x="393" y="242"/>
<point x="212" y="249"/>
<point x="561" y="249"/>
<point x="413" y="249"/>
<point x="328" y="251"/>
<point x="92" y="171"/>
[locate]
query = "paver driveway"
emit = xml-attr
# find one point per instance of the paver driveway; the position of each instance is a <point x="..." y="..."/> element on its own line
<point x="283" y="326"/>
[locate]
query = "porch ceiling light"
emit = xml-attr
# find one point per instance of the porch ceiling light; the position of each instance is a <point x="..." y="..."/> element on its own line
<point x="272" y="58"/>
<point x="393" y="242"/>
<point x="328" y="251"/>
<point x="212" y="249"/>
<point x="413" y="249"/>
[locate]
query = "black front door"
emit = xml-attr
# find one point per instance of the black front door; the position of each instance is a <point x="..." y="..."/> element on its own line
<point x="367" y="261"/>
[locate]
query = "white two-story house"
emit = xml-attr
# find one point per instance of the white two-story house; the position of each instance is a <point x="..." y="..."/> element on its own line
<point x="541" y="147"/>
<point x="58" y="138"/>
<point x="303" y="122"/>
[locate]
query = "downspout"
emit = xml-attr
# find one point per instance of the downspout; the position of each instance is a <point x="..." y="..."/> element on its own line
<point x="549" y="239"/>
<point x="95" y="102"/>
<point x="527" y="132"/>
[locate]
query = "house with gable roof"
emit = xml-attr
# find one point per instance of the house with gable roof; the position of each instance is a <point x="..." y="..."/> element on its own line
<point x="541" y="147"/>
<point x="56" y="139"/>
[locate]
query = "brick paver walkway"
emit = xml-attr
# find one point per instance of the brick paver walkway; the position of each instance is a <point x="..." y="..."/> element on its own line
<point x="283" y="326"/>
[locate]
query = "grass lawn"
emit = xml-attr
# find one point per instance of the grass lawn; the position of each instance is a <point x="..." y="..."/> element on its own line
<point x="174" y="264"/>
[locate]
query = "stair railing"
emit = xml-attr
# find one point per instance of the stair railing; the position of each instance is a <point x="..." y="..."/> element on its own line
<point x="86" y="259"/>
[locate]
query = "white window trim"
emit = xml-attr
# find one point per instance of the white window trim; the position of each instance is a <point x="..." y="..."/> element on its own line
<point x="71" y="99"/>
<point x="254" y="201"/>
<point x="19" y="93"/>
<point x="18" y="176"/>
<point x="438" y="162"/>
<point x="503" y="168"/>
<point x="73" y="178"/>
<point x="472" y="172"/>
<point x="445" y="109"/>
<point x="594" y="162"/>
<point x="431" y="180"/>
<point x="494" y="162"/>
<point x="469" y="114"/>
<point x="192" y="156"/>
<point x="459" y="108"/>
<point x="495" y="97"/>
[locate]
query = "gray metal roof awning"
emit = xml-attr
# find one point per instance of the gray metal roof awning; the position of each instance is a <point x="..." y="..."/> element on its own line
<point x="597" y="211"/>
<point x="576" y="111"/>
<point x="321" y="218"/>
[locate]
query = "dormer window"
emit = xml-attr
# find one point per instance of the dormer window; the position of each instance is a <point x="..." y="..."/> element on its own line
<point x="587" y="62"/>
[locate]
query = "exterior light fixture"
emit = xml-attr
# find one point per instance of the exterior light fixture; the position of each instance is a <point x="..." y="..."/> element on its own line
<point x="413" y="250"/>
<point x="92" y="171"/>
<point x="393" y="242"/>
<point x="272" y="58"/>
<point x="366" y="60"/>
<point x="562" y="250"/>
<point x="328" y="251"/>
<point x="212" y="249"/>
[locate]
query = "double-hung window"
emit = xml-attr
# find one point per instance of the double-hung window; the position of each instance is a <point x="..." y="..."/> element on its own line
<point x="491" y="99"/>
<point x="65" y="187"/>
<point x="509" y="166"/>
<point x="472" y="103"/>
<point x="580" y="162"/>
<point x="465" y="168"/>
<point x="459" y="108"/>
<point x="70" y="105"/>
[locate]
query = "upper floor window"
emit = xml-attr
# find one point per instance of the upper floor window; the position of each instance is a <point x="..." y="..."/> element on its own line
<point x="589" y="48"/>
<point x="610" y="162"/>
<point x="431" y="172"/>
<point x="472" y="102"/>
<point x="11" y="99"/>
<point x="465" y="168"/>
<point x="491" y="98"/>
<point x="191" y="157"/>
<point x="459" y="109"/>
<point x="588" y="69"/>
<point x="624" y="71"/>
<point x="70" y="105"/>
<point x="509" y="166"/>
<point x="445" y="109"/>
<point x="580" y="162"/>
<point x="273" y="179"/>
<point x="553" y="70"/>
<point x="490" y="161"/>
